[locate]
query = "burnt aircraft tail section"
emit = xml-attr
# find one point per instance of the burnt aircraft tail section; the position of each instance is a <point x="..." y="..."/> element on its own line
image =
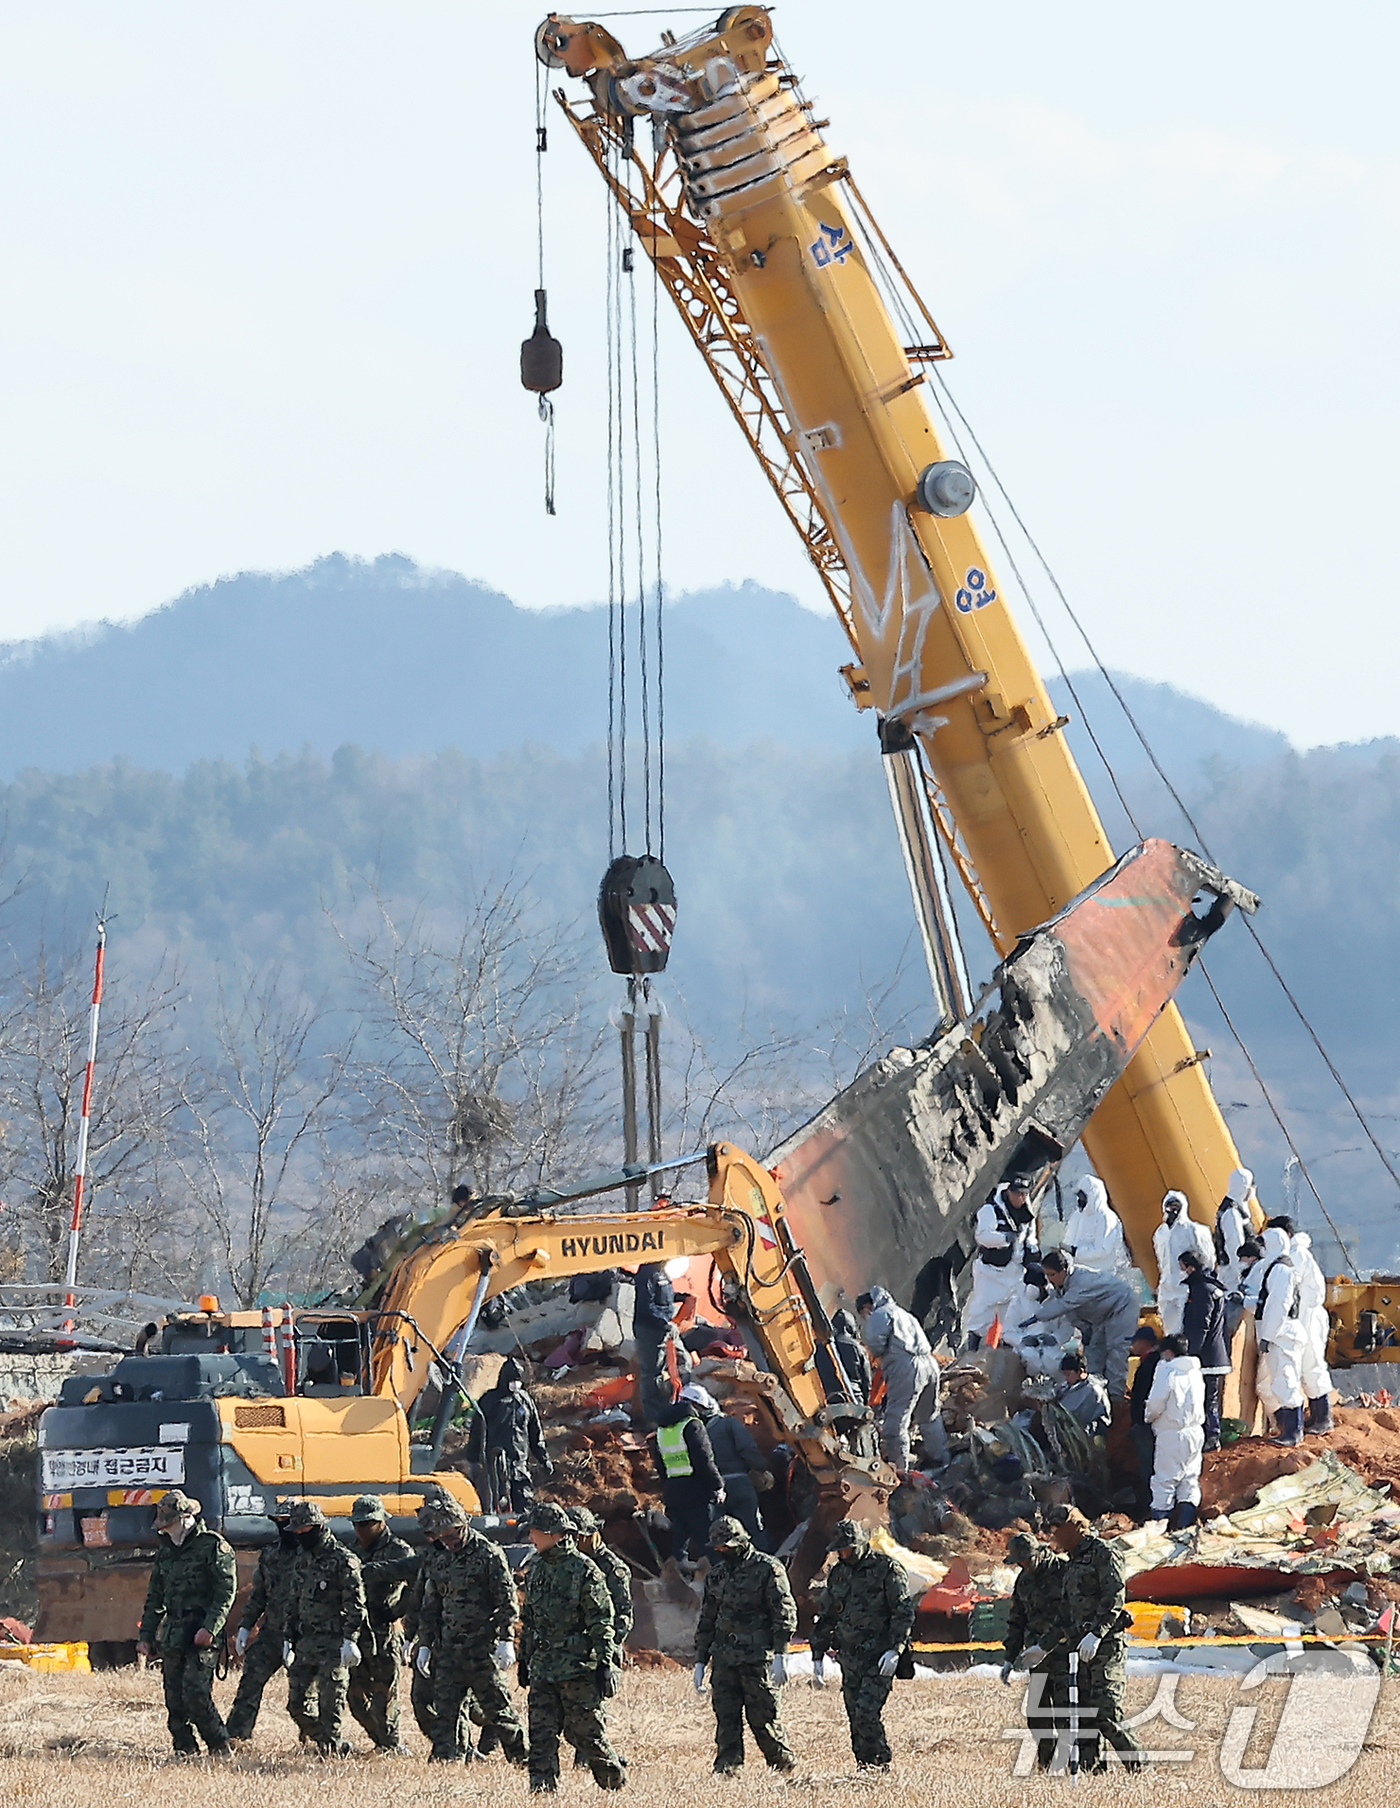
<point x="883" y="1184"/>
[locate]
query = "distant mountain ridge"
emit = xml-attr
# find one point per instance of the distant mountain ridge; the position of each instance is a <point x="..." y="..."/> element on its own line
<point x="386" y="655"/>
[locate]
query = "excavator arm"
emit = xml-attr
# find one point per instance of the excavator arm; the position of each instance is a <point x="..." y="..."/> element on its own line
<point x="782" y="278"/>
<point x="435" y="1296"/>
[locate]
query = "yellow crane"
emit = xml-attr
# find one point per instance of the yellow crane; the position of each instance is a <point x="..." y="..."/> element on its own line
<point x="782" y="277"/>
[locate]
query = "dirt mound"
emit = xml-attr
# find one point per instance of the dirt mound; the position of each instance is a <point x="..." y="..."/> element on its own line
<point x="1366" y="1440"/>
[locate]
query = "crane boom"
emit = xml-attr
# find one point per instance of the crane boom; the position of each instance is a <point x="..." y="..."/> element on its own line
<point x="761" y="237"/>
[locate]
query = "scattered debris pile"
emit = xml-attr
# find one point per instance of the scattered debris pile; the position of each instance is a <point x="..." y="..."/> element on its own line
<point x="1320" y="1520"/>
<point x="1367" y="1441"/>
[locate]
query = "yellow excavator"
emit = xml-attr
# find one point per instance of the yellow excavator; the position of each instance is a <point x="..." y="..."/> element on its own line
<point x="241" y="1408"/>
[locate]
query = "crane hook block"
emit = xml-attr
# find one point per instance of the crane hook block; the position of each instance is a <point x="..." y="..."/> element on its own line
<point x="637" y="909"/>
<point x="946" y="488"/>
<point x="541" y="355"/>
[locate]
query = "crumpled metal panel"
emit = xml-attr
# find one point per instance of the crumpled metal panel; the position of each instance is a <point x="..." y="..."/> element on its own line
<point x="883" y="1184"/>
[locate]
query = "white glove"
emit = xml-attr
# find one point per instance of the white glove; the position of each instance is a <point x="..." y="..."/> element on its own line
<point x="1029" y="1658"/>
<point x="240" y="1642"/>
<point x="889" y="1662"/>
<point x="777" y="1670"/>
<point x="818" y="1672"/>
<point x="349" y="1652"/>
<point x="1089" y="1646"/>
<point x="424" y="1659"/>
<point x="287" y="1654"/>
<point x="505" y="1654"/>
<point x="699" y="1679"/>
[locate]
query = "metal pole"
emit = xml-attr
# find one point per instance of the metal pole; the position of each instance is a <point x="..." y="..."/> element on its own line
<point x="70" y="1278"/>
<point x="905" y="782"/>
<point x="628" y="1026"/>
<point x="653" y="1078"/>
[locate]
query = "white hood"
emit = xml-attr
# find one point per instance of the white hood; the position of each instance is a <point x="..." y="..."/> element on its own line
<point x="1241" y="1185"/>
<point x="1095" y="1193"/>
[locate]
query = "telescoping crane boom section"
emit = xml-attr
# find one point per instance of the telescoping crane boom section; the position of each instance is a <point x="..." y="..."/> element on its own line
<point x="761" y="237"/>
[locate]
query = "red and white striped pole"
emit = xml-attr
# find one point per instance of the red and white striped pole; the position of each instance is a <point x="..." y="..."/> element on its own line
<point x="70" y="1279"/>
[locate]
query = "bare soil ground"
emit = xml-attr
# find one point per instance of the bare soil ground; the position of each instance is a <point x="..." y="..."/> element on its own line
<point x="71" y="1741"/>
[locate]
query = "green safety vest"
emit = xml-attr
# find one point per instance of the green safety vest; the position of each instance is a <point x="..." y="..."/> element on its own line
<point x="675" y="1453"/>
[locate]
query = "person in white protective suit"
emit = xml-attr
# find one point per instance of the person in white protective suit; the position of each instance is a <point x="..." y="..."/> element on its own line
<point x="1176" y="1411"/>
<point x="1004" y="1234"/>
<point x="1316" y="1377"/>
<point x="1272" y="1289"/>
<point x="1233" y="1223"/>
<point x="1094" y="1233"/>
<point x="913" y="1379"/>
<point x="1177" y="1233"/>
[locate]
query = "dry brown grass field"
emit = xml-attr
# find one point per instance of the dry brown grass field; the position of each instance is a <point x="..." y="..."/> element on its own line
<point x="100" y="1742"/>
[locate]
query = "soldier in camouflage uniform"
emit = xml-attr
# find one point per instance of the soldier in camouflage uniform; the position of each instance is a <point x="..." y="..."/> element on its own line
<point x="268" y="1602"/>
<point x="387" y="1568"/>
<point x="1094" y="1624"/>
<point x="466" y="1620"/>
<point x="566" y="1652"/>
<point x="746" y="1619"/>
<point x="1035" y="1640"/>
<point x="866" y="1617"/>
<point x="588" y="1529"/>
<point x="589" y="1539"/>
<point x="326" y="1617"/>
<point x="194" y="1580"/>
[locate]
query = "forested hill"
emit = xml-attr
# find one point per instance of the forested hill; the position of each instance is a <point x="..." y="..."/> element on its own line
<point x="420" y="735"/>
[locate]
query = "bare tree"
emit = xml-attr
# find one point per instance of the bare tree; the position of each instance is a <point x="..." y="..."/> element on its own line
<point x="260" y="1121"/>
<point x="481" y="1057"/>
<point x="44" y="1006"/>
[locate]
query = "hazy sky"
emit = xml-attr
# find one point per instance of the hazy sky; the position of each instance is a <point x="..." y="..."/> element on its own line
<point x="267" y="267"/>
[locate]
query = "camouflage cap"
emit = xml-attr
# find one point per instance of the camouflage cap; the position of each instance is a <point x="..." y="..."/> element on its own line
<point x="585" y="1520"/>
<point x="304" y="1514"/>
<point x="281" y="1509"/>
<point x="440" y="1515"/>
<point x="846" y="1533"/>
<point x="549" y="1516"/>
<point x="367" y="1509"/>
<point x="176" y="1505"/>
<point x="1021" y="1547"/>
<point x="726" y="1531"/>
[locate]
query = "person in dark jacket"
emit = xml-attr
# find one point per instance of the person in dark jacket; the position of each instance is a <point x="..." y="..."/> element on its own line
<point x="1203" y="1327"/>
<point x="505" y="1436"/>
<point x="691" y="1485"/>
<point x="737" y="1457"/>
<point x="652" y="1330"/>
<point x="1147" y="1348"/>
<point x="855" y="1358"/>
